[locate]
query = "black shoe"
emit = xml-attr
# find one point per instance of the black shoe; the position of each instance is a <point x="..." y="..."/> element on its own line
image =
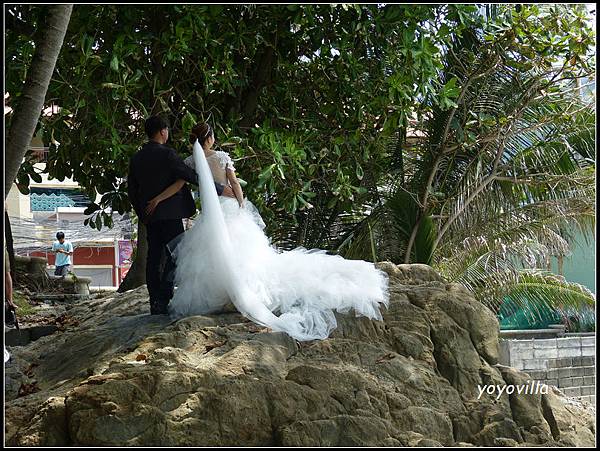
<point x="157" y="308"/>
<point x="9" y="316"/>
<point x="159" y="312"/>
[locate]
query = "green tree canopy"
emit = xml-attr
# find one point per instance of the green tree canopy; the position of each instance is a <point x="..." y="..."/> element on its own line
<point x="303" y="94"/>
<point x="453" y="135"/>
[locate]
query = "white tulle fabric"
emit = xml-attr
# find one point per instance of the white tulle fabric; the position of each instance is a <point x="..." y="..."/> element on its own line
<point x="227" y="257"/>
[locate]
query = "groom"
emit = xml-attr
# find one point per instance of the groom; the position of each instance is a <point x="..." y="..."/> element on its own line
<point x="151" y="170"/>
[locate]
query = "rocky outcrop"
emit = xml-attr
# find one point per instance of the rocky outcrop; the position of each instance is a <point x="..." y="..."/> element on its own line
<point x="119" y="376"/>
<point x="31" y="275"/>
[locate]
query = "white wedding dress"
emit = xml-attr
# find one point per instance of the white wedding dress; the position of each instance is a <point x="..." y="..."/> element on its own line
<point x="226" y="257"/>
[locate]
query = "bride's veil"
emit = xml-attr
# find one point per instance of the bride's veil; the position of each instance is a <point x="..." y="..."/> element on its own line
<point x="220" y="249"/>
<point x="281" y="283"/>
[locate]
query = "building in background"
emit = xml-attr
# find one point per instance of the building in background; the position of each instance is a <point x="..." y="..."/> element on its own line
<point x="580" y="266"/>
<point x="52" y="206"/>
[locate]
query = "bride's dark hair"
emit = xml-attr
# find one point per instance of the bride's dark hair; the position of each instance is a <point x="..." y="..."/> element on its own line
<point x="201" y="132"/>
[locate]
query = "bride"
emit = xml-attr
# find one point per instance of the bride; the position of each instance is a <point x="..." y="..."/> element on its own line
<point x="226" y="257"/>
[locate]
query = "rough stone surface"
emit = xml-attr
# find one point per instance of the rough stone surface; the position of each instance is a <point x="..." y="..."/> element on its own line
<point x="117" y="376"/>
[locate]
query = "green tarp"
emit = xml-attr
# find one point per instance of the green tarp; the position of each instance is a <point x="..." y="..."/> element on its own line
<point x="531" y="316"/>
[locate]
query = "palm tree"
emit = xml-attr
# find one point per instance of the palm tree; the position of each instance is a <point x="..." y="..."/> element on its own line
<point x="491" y="181"/>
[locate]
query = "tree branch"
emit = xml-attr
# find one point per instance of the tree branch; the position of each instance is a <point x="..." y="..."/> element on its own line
<point x="492" y="176"/>
<point x="440" y="154"/>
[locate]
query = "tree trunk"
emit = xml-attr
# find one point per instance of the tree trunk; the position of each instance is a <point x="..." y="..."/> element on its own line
<point x="136" y="276"/>
<point x="262" y="76"/>
<point x="31" y="102"/>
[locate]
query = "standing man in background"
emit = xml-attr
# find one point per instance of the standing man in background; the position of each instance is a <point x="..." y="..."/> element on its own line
<point x="10" y="308"/>
<point x="63" y="250"/>
<point x="8" y="283"/>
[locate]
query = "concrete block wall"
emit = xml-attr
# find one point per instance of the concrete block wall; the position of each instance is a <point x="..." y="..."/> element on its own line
<point x="565" y="362"/>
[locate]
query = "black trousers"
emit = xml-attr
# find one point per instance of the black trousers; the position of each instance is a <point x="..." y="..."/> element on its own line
<point x="160" y="283"/>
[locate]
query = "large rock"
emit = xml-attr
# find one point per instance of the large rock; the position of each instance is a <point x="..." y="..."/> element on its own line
<point x="117" y="376"/>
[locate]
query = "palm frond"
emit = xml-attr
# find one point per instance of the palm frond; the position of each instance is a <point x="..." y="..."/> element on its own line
<point x="536" y="290"/>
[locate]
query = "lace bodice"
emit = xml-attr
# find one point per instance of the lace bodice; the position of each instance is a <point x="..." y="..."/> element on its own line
<point x="218" y="162"/>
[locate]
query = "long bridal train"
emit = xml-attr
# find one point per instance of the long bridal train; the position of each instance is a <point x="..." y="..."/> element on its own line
<point x="226" y="257"/>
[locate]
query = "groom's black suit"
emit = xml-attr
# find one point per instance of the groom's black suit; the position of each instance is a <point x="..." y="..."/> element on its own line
<point x="151" y="170"/>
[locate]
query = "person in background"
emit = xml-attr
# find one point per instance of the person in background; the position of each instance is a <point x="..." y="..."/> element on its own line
<point x="8" y="284"/>
<point x="10" y="314"/>
<point x="63" y="250"/>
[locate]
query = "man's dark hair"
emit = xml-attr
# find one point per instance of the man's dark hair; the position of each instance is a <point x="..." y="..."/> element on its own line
<point x="154" y="124"/>
<point x="60" y="235"/>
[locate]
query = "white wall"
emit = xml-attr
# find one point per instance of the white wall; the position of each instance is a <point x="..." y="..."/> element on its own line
<point x="101" y="275"/>
<point x="18" y="204"/>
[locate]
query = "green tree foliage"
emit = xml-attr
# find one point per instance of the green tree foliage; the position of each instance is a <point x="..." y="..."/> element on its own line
<point x="302" y="94"/>
<point x="451" y="135"/>
<point x="498" y="176"/>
